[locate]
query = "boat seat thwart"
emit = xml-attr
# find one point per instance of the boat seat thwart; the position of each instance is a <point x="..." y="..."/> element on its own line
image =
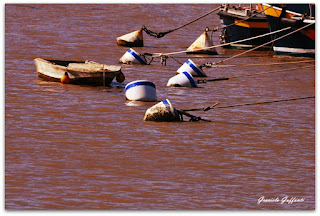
<point x="92" y="67"/>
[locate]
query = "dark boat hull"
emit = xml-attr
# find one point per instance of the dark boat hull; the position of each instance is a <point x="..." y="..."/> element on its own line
<point x="243" y="29"/>
<point x="301" y="43"/>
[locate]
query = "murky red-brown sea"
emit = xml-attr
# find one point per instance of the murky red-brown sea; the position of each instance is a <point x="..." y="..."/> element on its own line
<point x="81" y="147"/>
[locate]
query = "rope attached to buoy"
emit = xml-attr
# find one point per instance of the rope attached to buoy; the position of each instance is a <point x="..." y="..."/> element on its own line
<point x="255" y="103"/>
<point x="209" y="65"/>
<point x="164" y="56"/>
<point x="213" y="64"/>
<point x="149" y="57"/>
<point x="193" y="118"/>
<point x="161" y="34"/>
<point x="266" y="64"/>
<point x="266" y="72"/>
<point x="201" y="109"/>
<point x="265" y="102"/>
<point x="182" y="112"/>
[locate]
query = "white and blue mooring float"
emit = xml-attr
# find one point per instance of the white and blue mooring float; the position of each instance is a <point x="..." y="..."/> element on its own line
<point x="132" y="57"/>
<point x="183" y="79"/>
<point x="162" y="111"/>
<point x="141" y="90"/>
<point x="192" y="68"/>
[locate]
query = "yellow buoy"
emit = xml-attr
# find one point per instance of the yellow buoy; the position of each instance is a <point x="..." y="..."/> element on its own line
<point x="133" y="39"/>
<point x="120" y="77"/>
<point x="65" y="78"/>
<point x="201" y="44"/>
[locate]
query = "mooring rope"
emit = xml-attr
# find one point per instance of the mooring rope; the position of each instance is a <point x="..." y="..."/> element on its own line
<point x="264" y="102"/>
<point x="161" y="34"/>
<point x="244" y="75"/>
<point x="220" y="45"/>
<point x="193" y="118"/>
<point x="275" y="71"/>
<point x="249" y="104"/>
<point x="266" y="64"/>
<point x="213" y="64"/>
<point x="208" y="65"/>
<point x="163" y="59"/>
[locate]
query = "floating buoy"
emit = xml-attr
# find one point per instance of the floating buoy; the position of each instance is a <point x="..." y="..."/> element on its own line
<point x="133" y="39"/>
<point x="203" y="41"/>
<point x="141" y="90"/>
<point x="120" y="77"/>
<point x="65" y="78"/>
<point x="132" y="57"/>
<point x="162" y="111"/>
<point x="183" y="79"/>
<point x="192" y="68"/>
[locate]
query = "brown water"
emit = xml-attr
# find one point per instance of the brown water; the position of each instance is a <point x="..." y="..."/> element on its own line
<point x="81" y="147"/>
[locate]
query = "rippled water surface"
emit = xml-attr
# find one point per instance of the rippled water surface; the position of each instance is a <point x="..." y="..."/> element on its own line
<point x="81" y="147"/>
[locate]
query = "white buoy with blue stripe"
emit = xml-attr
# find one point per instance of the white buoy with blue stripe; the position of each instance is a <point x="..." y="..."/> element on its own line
<point x="141" y="90"/>
<point x="183" y="79"/>
<point x="192" y="68"/>
<point x="132" y="57"/>
<point x="162" y="111"/>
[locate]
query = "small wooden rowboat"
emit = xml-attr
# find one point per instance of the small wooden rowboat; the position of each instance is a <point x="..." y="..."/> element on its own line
<point x="78" y="72"/>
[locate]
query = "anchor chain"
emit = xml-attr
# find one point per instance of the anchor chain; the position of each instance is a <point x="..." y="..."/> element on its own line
<point x="155" y="34"/>
<point x="161" y="34"/>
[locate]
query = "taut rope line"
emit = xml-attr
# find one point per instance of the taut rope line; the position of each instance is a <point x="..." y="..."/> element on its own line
<point x="264" y="64"/>
<point x="267" y="72"/>
<point x="209" y="65"/>
<point x="264" y="102"/>
<point x="161" y="34"/>
<point x="275" y="71"/>
<point x="220" y="45"/>
<point x="290" y="33"/>
<point x="249" y="104"/>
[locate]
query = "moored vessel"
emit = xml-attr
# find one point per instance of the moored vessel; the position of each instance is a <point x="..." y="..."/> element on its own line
<point x="78" y="72"/>
<point x="240" y="23"/>
<point x="301" y="18"/>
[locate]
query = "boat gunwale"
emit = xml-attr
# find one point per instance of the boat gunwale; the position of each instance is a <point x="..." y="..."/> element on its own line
<point x="57" y="63"/>
<point x="94" y="78"/>
<point x="253" y="18"/>
<point x="296" y="15"/>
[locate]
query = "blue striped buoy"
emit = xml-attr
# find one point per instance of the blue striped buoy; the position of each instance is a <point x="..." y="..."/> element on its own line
<point x="132" y="57"/>
<point x="183" y="79"/>
<point x="141" y="90"/>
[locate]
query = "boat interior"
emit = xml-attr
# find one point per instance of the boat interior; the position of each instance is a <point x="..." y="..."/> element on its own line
<point x="63" y="63"/>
